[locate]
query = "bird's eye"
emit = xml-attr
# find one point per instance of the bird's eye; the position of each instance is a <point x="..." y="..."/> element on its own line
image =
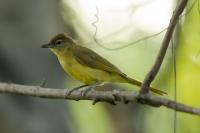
<point x="58" y="42"/>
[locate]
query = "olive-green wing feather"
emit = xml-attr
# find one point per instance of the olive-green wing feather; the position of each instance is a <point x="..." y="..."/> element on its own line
<point x="91" y="59"/>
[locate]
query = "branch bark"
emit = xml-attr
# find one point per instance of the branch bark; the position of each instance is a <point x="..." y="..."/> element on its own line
<point x="96" y="96"/>
<point x="156" y="67"/>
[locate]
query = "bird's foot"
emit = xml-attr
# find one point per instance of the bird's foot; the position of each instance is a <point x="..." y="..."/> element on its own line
<point x="90" y="88"/>
<point x="118" y="97"/>
<point x="74" y="89"/>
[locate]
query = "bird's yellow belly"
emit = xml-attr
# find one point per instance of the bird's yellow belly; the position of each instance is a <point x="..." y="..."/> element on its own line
<point x="85" y="74"/>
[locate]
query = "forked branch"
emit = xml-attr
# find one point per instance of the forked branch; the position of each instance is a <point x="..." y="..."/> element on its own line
<point x="168" y="35"/>
<point x="96" y="96"/>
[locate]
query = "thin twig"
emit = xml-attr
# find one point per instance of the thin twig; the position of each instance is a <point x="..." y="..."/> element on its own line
<point x="156" y="67"/>
<point x="121" y="29"/>
<point x="105" y="96"/>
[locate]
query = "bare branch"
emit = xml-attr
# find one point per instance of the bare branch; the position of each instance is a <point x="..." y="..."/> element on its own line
<point x="156" y="67"/>
<point x="106" y="96"/>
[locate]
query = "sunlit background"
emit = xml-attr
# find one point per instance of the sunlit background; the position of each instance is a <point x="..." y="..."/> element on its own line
<point x="26" y="25"/>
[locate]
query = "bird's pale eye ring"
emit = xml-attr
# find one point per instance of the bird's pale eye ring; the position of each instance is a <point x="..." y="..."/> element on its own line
<point x="58" y="42"/>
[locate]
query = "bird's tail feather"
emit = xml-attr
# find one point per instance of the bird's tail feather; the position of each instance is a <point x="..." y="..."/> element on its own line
<point x="138" y="83"/>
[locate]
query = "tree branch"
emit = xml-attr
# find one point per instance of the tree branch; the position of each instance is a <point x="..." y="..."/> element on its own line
<point x="156" y="67"/>
<point x="106" y="96"/>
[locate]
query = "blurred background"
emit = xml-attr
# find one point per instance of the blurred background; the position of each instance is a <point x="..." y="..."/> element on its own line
<point x="25" y="25"/>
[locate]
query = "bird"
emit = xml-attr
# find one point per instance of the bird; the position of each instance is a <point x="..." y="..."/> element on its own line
<point x="85" y="65"/>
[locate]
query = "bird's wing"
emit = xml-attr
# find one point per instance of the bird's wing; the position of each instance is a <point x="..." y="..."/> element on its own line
<point x="91" y="59"/>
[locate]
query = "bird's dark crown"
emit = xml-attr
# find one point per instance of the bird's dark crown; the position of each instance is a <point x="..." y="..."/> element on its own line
<point x="60" y="40"/>
<point x="63" y="37"/>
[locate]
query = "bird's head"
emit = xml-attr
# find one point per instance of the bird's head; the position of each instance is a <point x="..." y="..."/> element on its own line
<point x="59" y="43"/>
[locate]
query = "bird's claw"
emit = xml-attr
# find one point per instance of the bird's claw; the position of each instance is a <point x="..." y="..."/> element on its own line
<point x="118" y="97"/>
<point x="69" y="92"/>
<point x="85" y="91"/>
<point x="74" y="89"/>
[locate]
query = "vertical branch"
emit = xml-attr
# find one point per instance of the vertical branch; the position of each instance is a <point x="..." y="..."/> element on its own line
<point x="175" y="81"/>
<point x="156" y="67"/>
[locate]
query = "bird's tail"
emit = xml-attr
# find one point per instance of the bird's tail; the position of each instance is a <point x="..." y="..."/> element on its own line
<point x="138" y="83"/>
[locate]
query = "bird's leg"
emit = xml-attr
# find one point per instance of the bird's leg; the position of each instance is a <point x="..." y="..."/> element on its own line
<point x="77" y="88"/>
<point x="90" y="87"/>
<point x="94" y="98"/>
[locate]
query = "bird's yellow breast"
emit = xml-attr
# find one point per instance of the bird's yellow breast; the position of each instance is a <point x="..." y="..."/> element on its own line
<point x="80" y="72"/>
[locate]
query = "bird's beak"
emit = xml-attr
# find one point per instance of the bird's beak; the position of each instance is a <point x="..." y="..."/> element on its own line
<point x="49" y="45"/>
